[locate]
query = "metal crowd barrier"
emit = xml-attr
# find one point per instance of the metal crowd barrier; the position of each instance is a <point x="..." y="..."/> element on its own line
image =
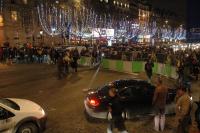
<point x="133" y="66"/>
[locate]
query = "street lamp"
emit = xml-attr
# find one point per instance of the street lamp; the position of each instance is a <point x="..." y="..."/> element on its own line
<point x="41" y="35"/>
<point x="53" y="32"/>
<point x="41" y="32"/>
<point x="166" y="21"/>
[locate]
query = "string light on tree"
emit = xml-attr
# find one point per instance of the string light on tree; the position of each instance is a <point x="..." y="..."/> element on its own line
<point x="52" y="19"/>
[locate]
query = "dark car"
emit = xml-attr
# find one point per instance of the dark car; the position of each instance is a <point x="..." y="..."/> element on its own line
<point x="197" y="114"/>
<point x="137" y="99"/>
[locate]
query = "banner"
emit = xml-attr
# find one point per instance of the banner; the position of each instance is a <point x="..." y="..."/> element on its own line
<point x="137" y="66"/>
<point x="105" y="63"/>
<point x="119" y="66"/>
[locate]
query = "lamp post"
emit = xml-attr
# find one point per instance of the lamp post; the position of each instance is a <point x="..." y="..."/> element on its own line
<point x="41" y="35"/>
<point x="53" y="32"/>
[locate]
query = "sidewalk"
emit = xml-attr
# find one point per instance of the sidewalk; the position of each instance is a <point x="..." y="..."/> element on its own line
<point x="3" y="66"/>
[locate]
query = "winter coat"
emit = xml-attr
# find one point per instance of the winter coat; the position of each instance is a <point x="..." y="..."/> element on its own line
<point x="183" y="106"/>
<point x="160" y="97"/>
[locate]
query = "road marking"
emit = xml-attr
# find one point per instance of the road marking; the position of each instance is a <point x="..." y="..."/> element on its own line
<point x="86" y="89"/>
<point x="51" y="109"/>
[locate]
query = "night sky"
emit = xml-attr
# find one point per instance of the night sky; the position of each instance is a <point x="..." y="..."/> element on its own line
<point x="177" y="6"/>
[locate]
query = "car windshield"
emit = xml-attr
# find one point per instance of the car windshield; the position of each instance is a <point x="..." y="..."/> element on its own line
<point x="10" y="104"/>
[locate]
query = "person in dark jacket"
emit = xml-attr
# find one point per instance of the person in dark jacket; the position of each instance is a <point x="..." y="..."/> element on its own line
<point x="116" y="109"/>
<point x="148" y="69"/>
<point x="60" y="65"/>
<point x="1" y="53"/>
<point x="75" y="57"/>
<point x="195" y="67"/>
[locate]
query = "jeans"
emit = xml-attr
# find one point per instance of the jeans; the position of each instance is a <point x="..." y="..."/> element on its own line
<point x="183" y="126"/>
<point x="117" y="122"/>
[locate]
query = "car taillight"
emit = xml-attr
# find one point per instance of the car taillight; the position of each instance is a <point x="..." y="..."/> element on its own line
<point x="94" y="102"/>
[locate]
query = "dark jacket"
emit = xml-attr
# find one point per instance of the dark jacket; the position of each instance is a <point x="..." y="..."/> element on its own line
<point x="116" y="106"/>
<point x="148" y="67"/>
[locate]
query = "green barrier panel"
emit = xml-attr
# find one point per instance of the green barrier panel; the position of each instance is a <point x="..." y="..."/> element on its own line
<point x="168" y="70"/>
<point x="82" y="60"/>
<point x="119" y="66"/>
<point x="105" y="63"/>
<point x="163" y="70"/>
<point x="155" y="68"/>
<point x="137" y="66"/>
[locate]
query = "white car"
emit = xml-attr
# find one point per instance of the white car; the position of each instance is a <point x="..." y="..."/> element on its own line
<point x="21" y="116"/>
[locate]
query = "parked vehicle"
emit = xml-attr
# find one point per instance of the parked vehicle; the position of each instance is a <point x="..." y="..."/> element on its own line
<point x="21" y="116"/>
<point x="137" y="99"/>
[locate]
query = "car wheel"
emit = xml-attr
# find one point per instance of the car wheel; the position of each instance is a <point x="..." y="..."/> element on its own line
<point x="88" y="117"/>
<point x="28" y="128"/>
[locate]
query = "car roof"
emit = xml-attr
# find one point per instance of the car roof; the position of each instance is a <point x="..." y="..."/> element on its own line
<point x="131" y="80"/>
<point x="126" y="82"/>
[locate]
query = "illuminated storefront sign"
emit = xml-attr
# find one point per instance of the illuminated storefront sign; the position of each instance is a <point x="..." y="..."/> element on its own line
<point x="103" y="32"/>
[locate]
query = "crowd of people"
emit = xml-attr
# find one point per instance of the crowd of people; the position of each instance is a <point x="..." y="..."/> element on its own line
<point x="186" y="61"/>
<point x="64" y="58"/>
<point x="162" y="54"/>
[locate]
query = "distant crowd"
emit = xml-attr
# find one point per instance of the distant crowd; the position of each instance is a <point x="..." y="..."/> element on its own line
<point x="126" y="52"/>
<point x="187" y="61"/>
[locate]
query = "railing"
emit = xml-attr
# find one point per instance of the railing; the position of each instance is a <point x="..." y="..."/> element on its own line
<point x="144" y="56"/>
<point x="132" y="66"/>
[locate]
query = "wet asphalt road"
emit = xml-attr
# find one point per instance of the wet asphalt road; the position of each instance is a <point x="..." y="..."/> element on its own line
<point x="63" y="99"/>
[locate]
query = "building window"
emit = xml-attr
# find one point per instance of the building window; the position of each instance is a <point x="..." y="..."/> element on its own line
<point x="14" y="15"/>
